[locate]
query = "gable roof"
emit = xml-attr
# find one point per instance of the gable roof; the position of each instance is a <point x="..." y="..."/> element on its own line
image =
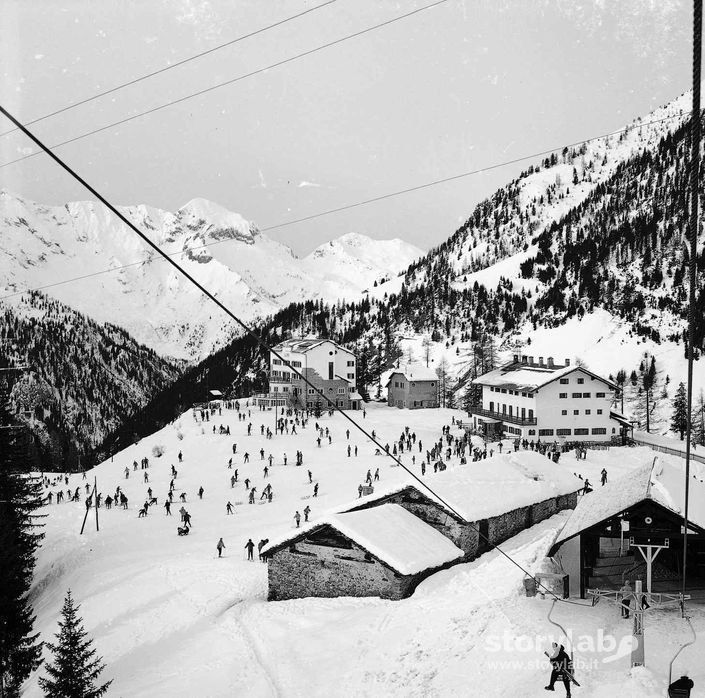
<point x="301" y="346"/>
<point x="390" y="533"/>
<point x="415" y="372"/>
<point x="655" y="480"/>
<point x="520" y="376"/>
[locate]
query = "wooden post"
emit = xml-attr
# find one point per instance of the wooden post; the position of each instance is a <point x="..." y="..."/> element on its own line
<point x="95" y="501"/>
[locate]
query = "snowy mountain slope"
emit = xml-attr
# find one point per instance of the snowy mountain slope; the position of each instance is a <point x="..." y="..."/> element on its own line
<point x="252" y="274"/>
<point x="82" y="378"/>
<point x="171" y="619"/>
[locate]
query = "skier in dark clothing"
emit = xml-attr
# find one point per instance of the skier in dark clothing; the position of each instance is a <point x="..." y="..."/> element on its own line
<point x="167" y="506"/>
<point x="603" y="477"/>
<point x="220" y="547"/>
<point x="561" y="668"/>
<point x="250" y="546"/>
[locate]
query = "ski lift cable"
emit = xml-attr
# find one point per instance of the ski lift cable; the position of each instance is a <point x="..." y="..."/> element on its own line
<point x="269" y="349"/>
<point x="171" y="66"/>
<point x="345" y="207"/>
<point x="231" y="81"/>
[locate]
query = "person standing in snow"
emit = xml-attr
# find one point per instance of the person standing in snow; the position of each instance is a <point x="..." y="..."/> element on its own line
<point x="377" y="475"/>
<point x="310" y="477"/>
<point x="167" y="507"/>
<point x="560" y="668"/>
<point x="229" y="508"/>
<point x="220" y="547"/>
<point x="603" y="477"/>
<point x="297" y="518"/>
<point x="307" y="511"/>
<point x="315" y="490"/>
<point x="200" y="492"/>
<point x="250" y="546"/>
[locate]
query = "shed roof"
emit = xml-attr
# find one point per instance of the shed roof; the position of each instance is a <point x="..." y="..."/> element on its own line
<point x="301" y="346"/>
<point x="656" y="480"/>
<point x="523" y="377"/>
<point x="390" y="533"/>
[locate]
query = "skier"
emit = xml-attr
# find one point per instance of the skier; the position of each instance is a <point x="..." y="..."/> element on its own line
<point x="200" y="492"/>
<point x="261" y="545"/>
<point x="310" y="478"/>
<point x="220" y="546"/>
<point x="250" y="546"/>
<point x="167" y="507"/>
<point x="377" y="475"/>
<point x="297" y="518"/>
<point x="315" y="490"/>
<point x="307" y="511"/>
<point x="181" y="457"/>
<point x="561" y="668"/>
<point x="603" y="477"/>
<point x="265" y="471"/>
<point x="229" y="508"/>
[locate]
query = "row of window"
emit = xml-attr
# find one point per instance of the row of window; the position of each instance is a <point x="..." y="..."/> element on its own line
<point x="565" y="412"/>
<point x="579" y="395"/>
<point x="398" y="384"/>
<point x="511" y="410"/>
<point x="580" y="431"/>
<point x="565" y="381"/>
<point x="511" y="392"/>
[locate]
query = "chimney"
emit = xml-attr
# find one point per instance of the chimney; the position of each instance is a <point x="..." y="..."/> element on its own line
<point x="540" y="360"/>
<point x="523" y="359"/>
<point x="550" y="362"/>
<point x="567" y="362"/>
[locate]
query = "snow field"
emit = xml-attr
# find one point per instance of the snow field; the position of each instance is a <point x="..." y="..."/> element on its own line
<point x="171" y="619"/>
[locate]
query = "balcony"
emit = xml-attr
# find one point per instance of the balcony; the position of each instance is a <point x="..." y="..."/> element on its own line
<point x="500" y="416"/>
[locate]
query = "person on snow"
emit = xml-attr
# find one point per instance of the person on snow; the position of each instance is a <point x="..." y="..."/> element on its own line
<point x="560" y="668"/>
<point x="310" y="478"/>
<point x="377" y="475"/>
<point x="297" y="518"/>
<point x="250" y="546"/>
<point x="261" y="545"/>
<point x="307" y="511"/>
<point x="603" y="477"/>
<point x="315" y="490"/>
<point x="200" y="492"/>
<point x="228" y="508"/>
<point x="220" y="547"/>
<point x="167" y="507"/>
<point x="626" y="592"/>
<point x="181" y="456"/>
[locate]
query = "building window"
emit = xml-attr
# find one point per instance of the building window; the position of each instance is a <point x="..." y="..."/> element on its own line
<point x="285" y="389"/>
<point x="413" y="385"/>
<point x="581" y="381"/>
<point x="577" y="394"/>
<point x="510" y="411"/>
<point x="297" y="364"/>
<point x="504" y="390"/>
<point x="524" y="395"/>
<point x="433" y="385"/>
<point x="351" y="363"/>
<point x="599" y="395"/>
<point x="563" y="432"/>
<point x="341" y="391"/>
<point x="531" y="414"/>
<point x="599" y="430"/>
<point x="276" y="362"/>
<point x="545" y="432"/>
<point x="564" y="412"/>
<point x="331" y="365"/>
<point x="523" y="412"/>
<point x="504" y="409"/>
<point x="532" y="432"/>
<point x="330" y="390"/>
<point x="599" y="411"/>
<point x="563" y="381"/>
<point x="311" y="391"/>
<point x="586" y="394"/>
<point x="581" y="432"/>
<point x="562" y="395"/>
<point x="576" y="411"/>
<point x="491" y="406"/>
<point x="351" y="376"/>
<point x="587" y="411"/>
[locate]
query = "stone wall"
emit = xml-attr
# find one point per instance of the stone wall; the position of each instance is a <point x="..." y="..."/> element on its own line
<point x="321" y="570"/>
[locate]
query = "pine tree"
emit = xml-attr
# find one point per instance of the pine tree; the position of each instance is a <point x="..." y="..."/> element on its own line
<point x="620" y="380"/>
<point x="20" y="497"/>
<point x="76" y="667"/>
<point x="679" y="421"/>
<point x="698" y="421"/>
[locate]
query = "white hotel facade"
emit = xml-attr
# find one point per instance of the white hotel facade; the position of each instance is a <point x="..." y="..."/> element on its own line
<point x="543" y="401"/>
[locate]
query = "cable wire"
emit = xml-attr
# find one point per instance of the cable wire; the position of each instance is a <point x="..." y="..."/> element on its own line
<point x="171" y="66"/>
<point x="263" y="345"/>
<point x="231" y="81"/>
<point x="347" y="207"/>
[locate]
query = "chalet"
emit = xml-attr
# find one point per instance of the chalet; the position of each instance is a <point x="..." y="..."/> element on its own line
<point x="383" y="551"/>
<point x="413" y="386"/>
<point x="632" y="528"/>
<point x="395" y="528"/>
<point x="329" y="367"/>
<point x="547" y="402"/>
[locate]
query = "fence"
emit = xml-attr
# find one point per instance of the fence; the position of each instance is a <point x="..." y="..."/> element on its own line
<point x="671" y="451"/>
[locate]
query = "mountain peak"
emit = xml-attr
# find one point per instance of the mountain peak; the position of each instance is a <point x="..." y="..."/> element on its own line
<point x="218" y="220"/>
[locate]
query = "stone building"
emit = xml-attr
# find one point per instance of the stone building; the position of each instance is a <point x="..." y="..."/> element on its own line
<point x="383" y="551"/>
<point x="413" y="386"/>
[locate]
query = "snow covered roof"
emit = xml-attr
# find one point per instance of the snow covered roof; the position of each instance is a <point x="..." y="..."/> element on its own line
<point x="661" y="482"/>
<point x="215" y="393"/>
<point x="301" y="346"/>
<point x="416" y="372"/>
<point x="390" y="533"/>
<point x="490" y="487"/>
<point x="519" y="376"/>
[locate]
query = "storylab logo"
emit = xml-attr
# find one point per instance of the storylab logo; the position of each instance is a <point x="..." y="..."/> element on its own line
<point x="603" y="646"/>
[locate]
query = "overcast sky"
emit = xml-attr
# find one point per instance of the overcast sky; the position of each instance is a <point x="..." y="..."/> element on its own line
<point x="455" y="88"/>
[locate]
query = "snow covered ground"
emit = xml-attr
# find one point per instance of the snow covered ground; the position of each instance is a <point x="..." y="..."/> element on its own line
<point x="171" y="619"/>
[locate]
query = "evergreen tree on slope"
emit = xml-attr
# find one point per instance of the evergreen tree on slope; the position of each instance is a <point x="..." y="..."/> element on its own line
<point x="679" y="420"/>
<point x="76" y="668"/>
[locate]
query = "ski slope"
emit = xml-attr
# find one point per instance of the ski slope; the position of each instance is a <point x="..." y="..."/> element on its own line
<point x="171" y="619"/>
